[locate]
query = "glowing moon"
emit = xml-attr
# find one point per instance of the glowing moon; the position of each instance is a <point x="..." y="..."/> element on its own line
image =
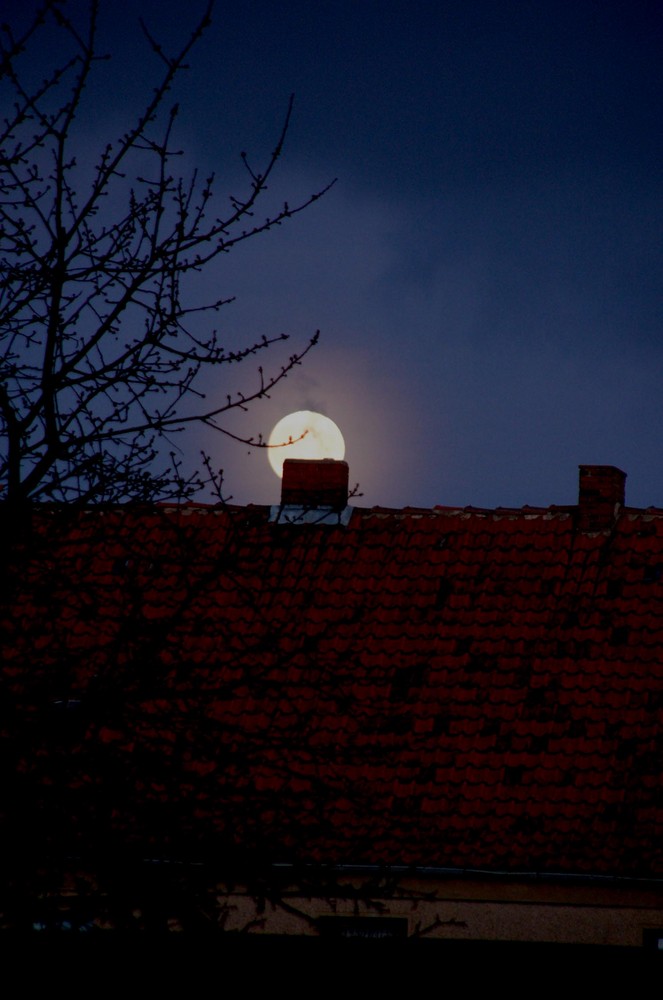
<point x="312" y="435"/>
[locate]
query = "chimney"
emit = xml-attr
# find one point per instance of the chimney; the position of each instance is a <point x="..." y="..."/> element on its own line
<point x="315" y="483"/>
<point x="601" y="496"/>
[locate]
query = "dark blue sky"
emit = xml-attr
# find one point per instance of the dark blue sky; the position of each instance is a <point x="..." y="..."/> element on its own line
<point x="486" y="270"/>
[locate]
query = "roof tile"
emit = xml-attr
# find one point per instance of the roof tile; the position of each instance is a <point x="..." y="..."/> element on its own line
<point x="498" y="673"/>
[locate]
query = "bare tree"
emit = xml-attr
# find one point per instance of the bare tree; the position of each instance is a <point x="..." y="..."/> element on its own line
<point x="102" y="346"/>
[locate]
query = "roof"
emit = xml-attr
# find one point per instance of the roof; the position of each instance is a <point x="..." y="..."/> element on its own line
<point x="476" y="689"/>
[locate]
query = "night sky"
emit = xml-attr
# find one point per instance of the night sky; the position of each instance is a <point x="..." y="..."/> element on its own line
<point x="485" y="273"/>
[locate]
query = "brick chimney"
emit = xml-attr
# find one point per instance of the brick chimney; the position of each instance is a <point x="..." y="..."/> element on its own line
<point x="315" y="483"/>
<point x="601" y="496"/>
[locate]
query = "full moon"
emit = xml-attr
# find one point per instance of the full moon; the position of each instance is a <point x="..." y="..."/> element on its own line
<point x="312" y="435"/>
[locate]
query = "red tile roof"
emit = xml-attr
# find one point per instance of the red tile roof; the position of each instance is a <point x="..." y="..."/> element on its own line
<point x="450" y="687"/>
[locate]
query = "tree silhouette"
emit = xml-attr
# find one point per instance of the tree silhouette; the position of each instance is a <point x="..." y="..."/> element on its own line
<point x="102" y="344"/>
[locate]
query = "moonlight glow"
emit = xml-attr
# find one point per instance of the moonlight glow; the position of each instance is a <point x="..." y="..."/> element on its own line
<point x="312" y="435"/>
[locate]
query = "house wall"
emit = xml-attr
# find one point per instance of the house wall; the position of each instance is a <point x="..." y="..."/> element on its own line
<point x="189" y="899"/>
<point x="462" y="911"/>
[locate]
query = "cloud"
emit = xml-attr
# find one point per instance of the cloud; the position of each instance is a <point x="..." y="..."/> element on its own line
<point x="466" y="360"/>
<point x="476" y="346"/>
